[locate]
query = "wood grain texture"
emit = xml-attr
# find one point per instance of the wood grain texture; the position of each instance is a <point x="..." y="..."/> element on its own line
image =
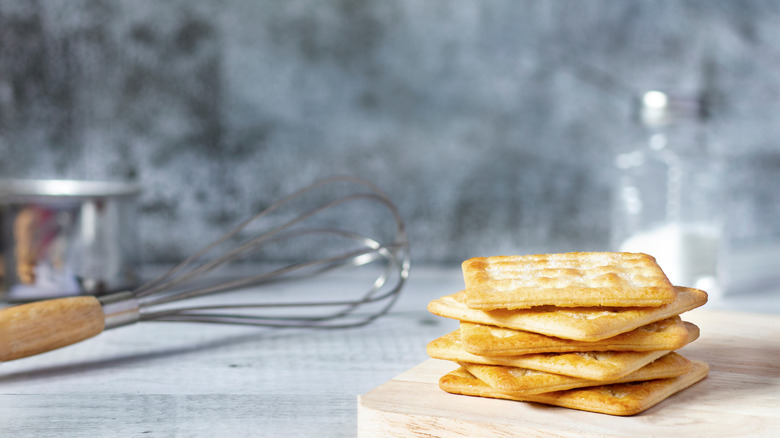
<point x="740" y="397"/>
<point x="201" y="380"/>
<point x="35" y="328"/>
<point x="205" y="380"/>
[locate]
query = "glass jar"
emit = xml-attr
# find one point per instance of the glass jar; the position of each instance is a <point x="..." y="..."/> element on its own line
<point x="667" y="195"/>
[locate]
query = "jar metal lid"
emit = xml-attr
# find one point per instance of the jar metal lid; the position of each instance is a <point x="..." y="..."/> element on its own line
<point x="660" y="108"/>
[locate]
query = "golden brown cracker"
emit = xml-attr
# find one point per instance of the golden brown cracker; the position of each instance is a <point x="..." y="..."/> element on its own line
<point x="594" y="365"/>
<point x="614" y="399"/>
<point x="579" y="323"/>
<point x="577" y="279"/>
<point x="486" y="340"/>
<point x="600" y="365"/>
<point x="524" y="381"/>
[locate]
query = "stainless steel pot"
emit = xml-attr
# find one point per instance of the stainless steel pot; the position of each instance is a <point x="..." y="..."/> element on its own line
<point x="64" y="237"/>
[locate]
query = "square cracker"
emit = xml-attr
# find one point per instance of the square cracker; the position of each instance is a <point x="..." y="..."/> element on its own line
<point x="615" y="399"/>
<point x="579" y="323"/>
<point x="594" y="365"/>
<point x="522" y="381"/>
<point x="487" y="340"/>
<point x="577" y="279"/>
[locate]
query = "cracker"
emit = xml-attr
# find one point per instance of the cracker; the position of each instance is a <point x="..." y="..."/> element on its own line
<point x="594" y="365"/>
<point x="486" y="340"/>
<point x="603" y="365"/>
<point x="583" y="323"/>
<point x="524" y="381"/>
<point x="577" y="279"/>
<point x="614" y="399"/>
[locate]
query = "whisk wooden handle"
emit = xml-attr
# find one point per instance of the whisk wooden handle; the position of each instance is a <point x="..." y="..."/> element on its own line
<point x="35" y="328"/>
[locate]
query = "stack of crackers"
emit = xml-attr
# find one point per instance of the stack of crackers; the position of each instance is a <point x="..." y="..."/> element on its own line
<point x="589" y="331"/>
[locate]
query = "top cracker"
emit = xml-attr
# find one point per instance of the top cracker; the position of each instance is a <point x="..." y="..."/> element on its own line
<point x="576" y="279"/>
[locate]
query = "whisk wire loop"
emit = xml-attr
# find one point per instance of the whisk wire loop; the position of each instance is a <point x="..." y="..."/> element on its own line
<point x="171" y="286"/>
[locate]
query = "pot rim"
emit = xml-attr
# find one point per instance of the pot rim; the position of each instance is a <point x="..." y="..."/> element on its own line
<point x="22" y="188"/>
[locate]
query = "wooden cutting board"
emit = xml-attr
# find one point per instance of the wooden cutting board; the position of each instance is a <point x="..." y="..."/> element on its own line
<point x="740" y="397"/>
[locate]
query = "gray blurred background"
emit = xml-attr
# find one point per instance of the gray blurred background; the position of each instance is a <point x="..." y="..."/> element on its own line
<point x="493" y="124"/>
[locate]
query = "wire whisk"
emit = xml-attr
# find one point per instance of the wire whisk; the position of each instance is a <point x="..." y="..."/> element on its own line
<point x="33" y="328"/>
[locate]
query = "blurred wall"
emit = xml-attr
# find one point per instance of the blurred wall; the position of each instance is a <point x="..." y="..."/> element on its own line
<point x="493" y="124"/>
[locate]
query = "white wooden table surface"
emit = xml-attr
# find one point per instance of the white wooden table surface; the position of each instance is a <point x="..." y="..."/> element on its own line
<point x="180" y="379"/>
